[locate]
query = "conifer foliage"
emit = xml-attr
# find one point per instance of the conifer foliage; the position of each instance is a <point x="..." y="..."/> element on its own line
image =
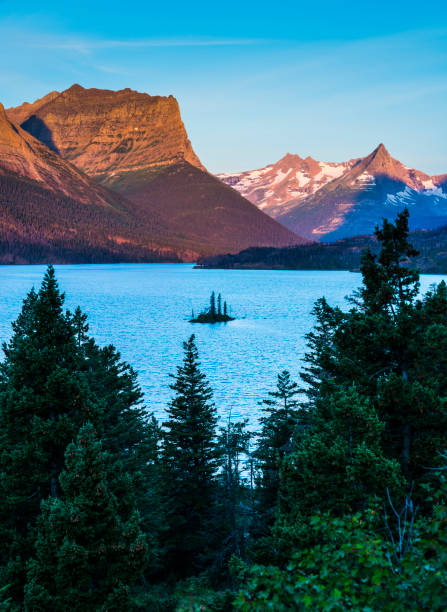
<point x="275" y="438"/>
<point x="89" y="546"/>
<point x="53" y="381"/>
<point x="43" y="402"/>
<point x="190" y="459"/>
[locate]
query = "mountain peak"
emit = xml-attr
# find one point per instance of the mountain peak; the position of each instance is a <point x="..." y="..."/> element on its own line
<point x="290" y="158"/>
<point x="2" y="113"/>
<point x="381" y="162"/>
<point x="381" y="150"/>
<point x="75" y="88"/>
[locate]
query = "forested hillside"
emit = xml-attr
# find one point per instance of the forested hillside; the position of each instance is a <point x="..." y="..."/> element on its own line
<point x="341" y="255"/>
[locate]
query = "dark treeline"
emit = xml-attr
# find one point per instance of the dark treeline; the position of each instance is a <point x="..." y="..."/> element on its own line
<point x="39" y="226"/>
<point x="338" y="502"/>
<point x="344" y="254"/>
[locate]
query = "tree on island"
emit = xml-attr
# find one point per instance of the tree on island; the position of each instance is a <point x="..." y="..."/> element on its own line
<point x="213" y="314"/>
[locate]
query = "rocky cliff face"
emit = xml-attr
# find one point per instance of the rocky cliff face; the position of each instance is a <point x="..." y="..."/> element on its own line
<point x="137" y="145"/>
<point x="329" y="201"/>
<point x="52" y="212"/>
<point x="24" y="155"/>
<point x="109" y="134"/>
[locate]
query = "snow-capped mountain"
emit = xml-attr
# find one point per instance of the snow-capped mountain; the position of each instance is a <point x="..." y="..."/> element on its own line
<point x="328" y="201"/>
<point x="291" y="178"/>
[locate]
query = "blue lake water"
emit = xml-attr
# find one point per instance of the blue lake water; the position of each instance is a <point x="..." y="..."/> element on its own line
<point x="143" y="309"/>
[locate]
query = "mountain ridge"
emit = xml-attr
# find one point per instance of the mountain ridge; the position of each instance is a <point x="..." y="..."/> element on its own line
<point x="329" y="200"/>
<point x="133" y="150"/>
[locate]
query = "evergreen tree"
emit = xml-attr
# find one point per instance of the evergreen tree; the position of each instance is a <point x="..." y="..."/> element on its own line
<point x="53" y="380"/>
<point x="213" y="304"/>
<point x="225" y="309"/>
<point x="390" y="345"/>
<point x="377" y="392"/>
<point x="89" y="547"/>
<point x="275" y="438"/>
<point x="219" y="305"/>
<point x="233" y="444"/>
<point x="338" y="466"/>
<point x="43" y="401"/>
<point x="190" y="458"/>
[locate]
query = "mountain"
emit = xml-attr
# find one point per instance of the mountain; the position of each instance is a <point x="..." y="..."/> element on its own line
<point x="137" y="145"/>
<point x="273" y="187"/>
<point x="109" y="134"/>
<point x="26" y="156"/>
<point x="51" y="211"/>
<point x="327" y="201"/>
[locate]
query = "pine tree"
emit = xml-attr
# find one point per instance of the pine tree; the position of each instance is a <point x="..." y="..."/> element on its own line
<point x="377" y="391"/>
<point x="43" y="402"/>
<point x="338" y="465"/>
<point x="225" y="309"/>
<point x="127" y="431"/>
<point x="53" y="380"/>
<point x="89" y="548"/>
<point x="283" y="416"/>
<point x="219" y="305"/>
<point x="213" y="304"/>
<point x="233" y="444"/>
<point x="190" y="458"/>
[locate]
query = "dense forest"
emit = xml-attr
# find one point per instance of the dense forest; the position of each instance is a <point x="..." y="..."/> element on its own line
<point x="344" y="254"/>
<point x="39" y="226"/>
<point x="338" y="502"/>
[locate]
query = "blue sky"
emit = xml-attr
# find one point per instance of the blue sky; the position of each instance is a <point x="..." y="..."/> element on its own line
<point x="254" y="80"/>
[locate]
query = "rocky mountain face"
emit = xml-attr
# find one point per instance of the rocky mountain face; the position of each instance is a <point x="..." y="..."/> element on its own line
<point x="328" y="201"/>
<point x="51" y="211"/>
<point x="109" y="134"/>
<point x="130" y="151"/>
<point x="24" y="155"/>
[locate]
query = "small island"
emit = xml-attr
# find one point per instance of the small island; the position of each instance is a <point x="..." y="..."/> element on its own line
<point x="213" y="314"/>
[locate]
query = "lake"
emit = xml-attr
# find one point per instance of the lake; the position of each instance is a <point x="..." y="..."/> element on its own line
<point x="143" y="309"/>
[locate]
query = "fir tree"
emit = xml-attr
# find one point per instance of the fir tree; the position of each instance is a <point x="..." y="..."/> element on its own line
<point x="53" y="380"/>
<point x="233" y="444"/>
<point x="89" y="548"/>
<point x="190" y="458"/>
<point x="275" y="438"/>
<point x="379" y="367"/>
<point x="219" y="305"/>
<point x="338" y="466"/>
<point x="127" y="431"/>
<point x="390" y="345"/>
<point x="213" y="304"/>
<point x="43" y="402"/>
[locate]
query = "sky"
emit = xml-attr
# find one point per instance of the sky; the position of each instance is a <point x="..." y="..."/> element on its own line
<point x="254" y="80"/>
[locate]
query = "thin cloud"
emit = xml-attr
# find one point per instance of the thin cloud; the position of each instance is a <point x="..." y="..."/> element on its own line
<point x="86" y="46"/>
